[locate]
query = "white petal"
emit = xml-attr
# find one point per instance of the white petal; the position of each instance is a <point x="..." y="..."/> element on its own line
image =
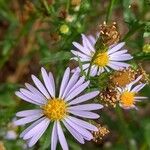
<point x="22" y="96"/>
<point x="36" y="129"/>
<point x="85" y="114"/>
<point x="94" y="71"/>
<point x="64" y="81"/>
<point x="123" y="57"/>
<point x="52" y="82"/>
<point x="85" y="66"/>
<point x="31" y="126"/>
<point x="32" y="96"/>
<point x="48" y="83"/>
<point x="129" y="86"/>
<point x="74" y="133"/>
<point x="119" y="64"/>
<point x="81" y="48"/>
<point x="78" y="83"/>
<point x="114" y="66"/>
<point x="40" y="86"/>
<point x="92" y="40"/>
<point x="61" y="137"/>
<point x="54" y="137"/>
<point x="116" y="48"/>
<point x="140" y="97"/>
<point x="80" y="55"/>
<point x="107" y="69"/>
<point x="83" y="124"/>
<point x="71" y="82"/>
<point x="28" y="112"/>
<point x="89" y="45"/>
<point x="77" y="91"/>
<point x="138" y="88"/>
<point x="119" y="53"/>
<point x="87" y="107"/>
<point x="84" y="98"/>
<point x="79" y="129"/>
<point x="35" y="91"/>
<point x="27" y="119"/>
<point x="37" y="136"/>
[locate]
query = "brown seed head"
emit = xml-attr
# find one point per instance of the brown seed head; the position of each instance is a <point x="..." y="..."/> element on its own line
<point x="99" y="135"/>
<point x="123" y="77"/>
<point x="109" y="96"/>
<point x="109" y="33"/>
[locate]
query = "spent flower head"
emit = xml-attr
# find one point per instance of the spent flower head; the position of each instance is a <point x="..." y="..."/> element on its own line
<point x="109" y="96"/>
<point x="100" y="134"/>
<point x="62" y="109"/>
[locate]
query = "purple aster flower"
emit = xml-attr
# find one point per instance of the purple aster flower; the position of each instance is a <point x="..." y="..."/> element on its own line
<point x="65" y="109"/>
<point x="128" y="95"/>
<point x="113" y="58"/>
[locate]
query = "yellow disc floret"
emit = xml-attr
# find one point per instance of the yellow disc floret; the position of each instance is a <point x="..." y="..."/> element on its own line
<point x="55" y="109"/>
<point x="101" y="59"/>
<point x="127" y="99"/>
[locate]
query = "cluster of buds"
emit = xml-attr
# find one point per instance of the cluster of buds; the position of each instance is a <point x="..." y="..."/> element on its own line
<point x="109" y="33"/>
<point x="146" y="48"/>
<point x="99" y="135"/>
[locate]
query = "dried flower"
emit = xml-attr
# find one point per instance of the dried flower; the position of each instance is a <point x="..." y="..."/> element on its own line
<point x="122" y="77"/>
<point x="109" y="33"/>
<point x="99" y="135"/>
<point x="145" y="76"/>
<point x="57" y="110"/>
<point x="109" y="97"/>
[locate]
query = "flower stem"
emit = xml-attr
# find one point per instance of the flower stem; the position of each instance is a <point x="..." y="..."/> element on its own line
<point x="124" y="127"/>
<point x="109" y="12"/>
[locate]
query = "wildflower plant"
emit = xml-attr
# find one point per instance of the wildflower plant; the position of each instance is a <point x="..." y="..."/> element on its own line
<point x="93" y="87"/>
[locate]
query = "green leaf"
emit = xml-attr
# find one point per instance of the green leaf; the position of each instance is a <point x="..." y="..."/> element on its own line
<point x="6" y="100"/>
<point x="54" y="57"/>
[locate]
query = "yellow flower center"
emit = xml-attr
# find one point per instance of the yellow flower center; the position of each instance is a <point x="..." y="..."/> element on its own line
<point x="55" y="109"/>
<point x="127" y="98"/>
<point x="101" y="59"/>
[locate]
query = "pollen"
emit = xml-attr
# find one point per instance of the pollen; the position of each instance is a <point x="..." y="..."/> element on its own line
<point x="101" y="59"/>
<point x="127" y="98"/>
<point x="55" y="109"/>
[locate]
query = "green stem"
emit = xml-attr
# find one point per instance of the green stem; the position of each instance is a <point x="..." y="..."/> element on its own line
<point x="46" y="7"/>
<point x="91" y="63"/>
<point x="123" y="124"/>
<point x="109" y="12"/>
<point x="68" y="5"/>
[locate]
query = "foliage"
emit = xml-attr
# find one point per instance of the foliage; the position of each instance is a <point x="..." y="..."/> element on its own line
<point x="30" y="37"/>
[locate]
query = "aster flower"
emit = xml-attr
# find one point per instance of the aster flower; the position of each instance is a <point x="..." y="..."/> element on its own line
<point x="128" y="95"/>
<point x="113" y="58"/>
<point x="63" y="109"/>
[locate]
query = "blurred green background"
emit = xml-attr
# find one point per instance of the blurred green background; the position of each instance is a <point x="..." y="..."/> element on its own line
<point x="35" y="33"/>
